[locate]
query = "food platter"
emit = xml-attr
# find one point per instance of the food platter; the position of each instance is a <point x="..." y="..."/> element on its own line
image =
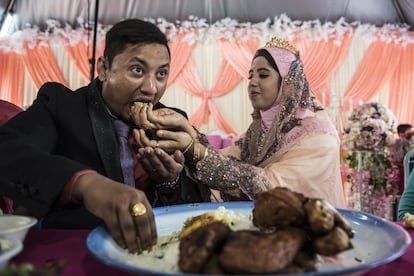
<point x="376" y="241"/>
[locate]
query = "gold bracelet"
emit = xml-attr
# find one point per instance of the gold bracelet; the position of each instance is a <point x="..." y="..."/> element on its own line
<point x="205" y="153"/>
<point x="189" y="146"/>
<point x="196" y="153"/>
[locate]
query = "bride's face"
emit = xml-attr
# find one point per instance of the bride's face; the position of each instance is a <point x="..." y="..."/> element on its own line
<point x="264" y="84"/>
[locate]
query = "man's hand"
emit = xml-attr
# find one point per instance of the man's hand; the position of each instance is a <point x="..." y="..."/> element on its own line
<point x="160" y="166"/>
<point x="112" y="202"/>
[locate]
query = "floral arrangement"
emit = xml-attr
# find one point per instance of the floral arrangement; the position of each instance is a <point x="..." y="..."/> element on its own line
<point x="369" y="127"/>
<point x="374" y="179"/>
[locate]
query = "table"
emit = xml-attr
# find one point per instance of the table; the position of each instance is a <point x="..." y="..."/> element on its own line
<point x="41" y="246"/>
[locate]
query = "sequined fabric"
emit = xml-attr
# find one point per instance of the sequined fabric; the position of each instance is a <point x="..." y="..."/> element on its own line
<point x="231" y="176"/>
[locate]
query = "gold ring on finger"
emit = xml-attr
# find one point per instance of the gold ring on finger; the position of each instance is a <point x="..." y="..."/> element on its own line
<point x="138" y="209"/>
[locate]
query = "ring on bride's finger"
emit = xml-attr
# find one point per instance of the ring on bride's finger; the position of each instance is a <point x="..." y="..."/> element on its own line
<point x="138" y="209"/>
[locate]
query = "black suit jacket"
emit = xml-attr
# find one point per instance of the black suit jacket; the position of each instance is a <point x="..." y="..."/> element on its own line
<point x="61" y="133"/>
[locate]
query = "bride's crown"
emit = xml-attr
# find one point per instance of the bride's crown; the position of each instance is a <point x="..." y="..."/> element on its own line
<point x="282" y="44"/>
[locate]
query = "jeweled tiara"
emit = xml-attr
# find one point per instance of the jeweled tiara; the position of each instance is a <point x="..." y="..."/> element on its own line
<point x="283" y="44"/>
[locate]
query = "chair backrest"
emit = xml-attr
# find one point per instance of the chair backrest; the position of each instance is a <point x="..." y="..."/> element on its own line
<point x="408" y="164"/>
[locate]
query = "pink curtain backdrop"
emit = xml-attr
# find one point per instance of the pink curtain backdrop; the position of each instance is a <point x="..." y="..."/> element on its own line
<point x="373" y="72"/>
<point x="80" y="55"/>
<point x="180" y="54"/>
<point x="235" y="65"/>
<point x="12" y="79"/>
<point x="226" y="80"/>
<point x="239" y="54"/>
<point x="401" y="86"/>
<point x="320" y="60"/>
<point x="42" y="65"/>
<point x="383" y="63"/>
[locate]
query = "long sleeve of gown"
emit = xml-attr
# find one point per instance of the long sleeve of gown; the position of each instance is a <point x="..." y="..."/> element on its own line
<point x="406" y="204"/>
<point x="229" y="175"/>
<point x="310" y="167"/>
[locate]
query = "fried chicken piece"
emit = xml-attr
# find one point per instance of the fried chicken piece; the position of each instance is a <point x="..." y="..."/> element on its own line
<point x="320" y="217"/>
<point x="213" y="267"/>
<point x="332" y="243"/>
<point x="306" y="260"/>
<point x="197" y="247"/>
<point x="341" y="222"/>
<point x="278" y="207"/>
<point x="255" y="252"/>
<point x="323" y="217"/>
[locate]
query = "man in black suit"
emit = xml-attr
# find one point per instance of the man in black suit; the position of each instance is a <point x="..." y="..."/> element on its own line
<point x="60" y="159"/>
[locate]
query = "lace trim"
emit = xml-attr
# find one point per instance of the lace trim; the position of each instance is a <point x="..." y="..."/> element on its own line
<point x="310" y="126"/>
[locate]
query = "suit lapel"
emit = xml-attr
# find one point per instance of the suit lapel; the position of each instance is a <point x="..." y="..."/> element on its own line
<point x="104" y="134"/>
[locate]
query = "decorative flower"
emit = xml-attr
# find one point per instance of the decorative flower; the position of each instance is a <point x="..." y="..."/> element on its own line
<point x="369" y="127"/>
<point x="368" y="135"/>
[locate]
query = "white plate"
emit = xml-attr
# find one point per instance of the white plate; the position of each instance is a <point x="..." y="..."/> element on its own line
<point x="376" y="241"/>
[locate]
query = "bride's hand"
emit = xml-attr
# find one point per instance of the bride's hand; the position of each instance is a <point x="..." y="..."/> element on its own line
<point x="138" y="115"/>
<point x="170" y="141"/>
<point x="163" y="118"/>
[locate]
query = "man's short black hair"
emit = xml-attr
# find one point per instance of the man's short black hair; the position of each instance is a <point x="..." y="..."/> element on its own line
<point x="132" y="31"/>
<point x="402" y="128"/>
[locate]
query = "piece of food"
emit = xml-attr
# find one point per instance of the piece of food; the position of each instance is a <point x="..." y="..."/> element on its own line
<point x="213" y="267"/>
<point x="139" y="105"/>
<point x="321" y="219"/>
<point x="305" y="261"/>
<point x="255" y="252"/>
<point x="339" y="219"/>
<point x="197" y="247"/>
<point x="332" y="243"/>
<point x="279" y="207"/>
<point x="135" y="109"/>
<point x="291" y="232"/>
